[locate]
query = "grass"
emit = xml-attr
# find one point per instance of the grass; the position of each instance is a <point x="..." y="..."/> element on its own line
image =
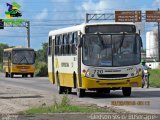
<point x="64" y="106"/>
<point x="154" y="78"/>
<point x="65" y="109"/>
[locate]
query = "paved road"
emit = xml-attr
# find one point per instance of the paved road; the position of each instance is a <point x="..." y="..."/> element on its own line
<point x="141" y="100"/>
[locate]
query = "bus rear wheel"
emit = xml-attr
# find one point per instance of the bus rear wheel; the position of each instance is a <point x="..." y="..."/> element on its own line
<point x="68" y="90"/>
<point x="61" y="89"/>
<point x="126" y="91"/>
<point x="80" y="92"/>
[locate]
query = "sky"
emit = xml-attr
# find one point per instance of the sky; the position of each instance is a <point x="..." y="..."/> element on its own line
<point x="47" y="15"/>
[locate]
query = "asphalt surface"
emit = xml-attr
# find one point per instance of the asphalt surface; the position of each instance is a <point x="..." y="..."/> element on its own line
<point x="142" y="100"/>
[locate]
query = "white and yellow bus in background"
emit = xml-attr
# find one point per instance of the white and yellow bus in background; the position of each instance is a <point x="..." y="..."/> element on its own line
<point x="18" y="61"/>
<point x="95" y="56"/>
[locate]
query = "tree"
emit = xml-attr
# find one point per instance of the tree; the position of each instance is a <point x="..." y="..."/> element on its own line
<point x="42" y="53"/>
<point x="2" y="46"/>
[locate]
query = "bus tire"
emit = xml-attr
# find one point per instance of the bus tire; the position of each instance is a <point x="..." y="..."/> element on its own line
<point x="61" y="89"/>
<point x="69" y="90"/>
<point x="22" y="75"/>
<point x="26" y="75"/>
<point x="80" y="92"/>
<point x="126" y="91"/>
<point x="6" y="74"/>
<point x="108" y="91"/>
<point x="99" y="91"/>
<point x="32" y="75"/>
<point x="11" y="75"/>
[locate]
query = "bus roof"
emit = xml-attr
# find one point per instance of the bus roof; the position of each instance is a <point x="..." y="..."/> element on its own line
<point x="10" y="49"/>
<point x="81" y="27"/>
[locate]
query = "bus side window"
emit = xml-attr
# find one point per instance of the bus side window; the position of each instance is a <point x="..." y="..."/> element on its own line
<point x="65" y="42"/>
<point x="70" y="43"/>
<point x="56" y="45"/>
<point x="50" y="46"/>
<point x="67" y="45"/>
<point x="60" y="42"/>
<point x="74" y="42"/>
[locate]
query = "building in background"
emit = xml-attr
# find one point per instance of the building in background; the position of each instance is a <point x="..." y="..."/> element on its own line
<point x="152" y="44"/>
<point x="152" y="49"/>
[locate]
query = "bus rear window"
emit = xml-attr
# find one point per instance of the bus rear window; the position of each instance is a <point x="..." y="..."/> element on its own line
<point x="110" y="29"/>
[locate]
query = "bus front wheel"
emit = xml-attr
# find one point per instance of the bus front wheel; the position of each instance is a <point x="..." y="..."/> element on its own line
<point x="32" y="75"/>
<point x="126" y="91"/>
<point x="80" y="92"/>
<point x="6" y="75"/>
<point x="11" y="75"/>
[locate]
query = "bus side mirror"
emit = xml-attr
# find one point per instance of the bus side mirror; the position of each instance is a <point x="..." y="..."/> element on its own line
<point x="141" y="42"/>
<point x="9" y="55"/>
<point x="80" y="41"/>
<point x="35" y="55"/>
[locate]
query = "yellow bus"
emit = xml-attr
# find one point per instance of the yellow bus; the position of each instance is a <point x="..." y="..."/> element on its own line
<point x="18" y="61"/>
<point x="95" y="56"/>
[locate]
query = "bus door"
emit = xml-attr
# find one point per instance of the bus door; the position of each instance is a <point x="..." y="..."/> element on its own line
<point x="9" y="62"/>
<point x="51" y="58"/>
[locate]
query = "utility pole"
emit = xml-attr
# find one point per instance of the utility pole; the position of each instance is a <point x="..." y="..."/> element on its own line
<point x="86" y="18"/>
<point x="158" y="42"/>
<point x="28" y="33"/>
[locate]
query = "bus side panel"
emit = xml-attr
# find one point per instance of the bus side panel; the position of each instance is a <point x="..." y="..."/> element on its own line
<point x="5" y="66"/>
<point x="65" y="66"/>
<point x="66" y="79"/>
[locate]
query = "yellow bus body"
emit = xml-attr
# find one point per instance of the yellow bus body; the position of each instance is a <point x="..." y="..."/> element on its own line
<point x="89" y="83"/>
<point x="19" y="69"/>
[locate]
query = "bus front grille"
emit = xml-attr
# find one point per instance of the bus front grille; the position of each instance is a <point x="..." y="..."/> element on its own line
<point x="112" y="75"/>
<point x="23" y="67"/>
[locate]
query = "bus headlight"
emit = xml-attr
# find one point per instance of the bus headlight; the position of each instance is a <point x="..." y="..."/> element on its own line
<point x="89" y="73"/>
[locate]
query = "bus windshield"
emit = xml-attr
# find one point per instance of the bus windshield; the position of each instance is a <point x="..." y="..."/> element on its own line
<point x="23" y="57"/>
<point x="111" y="50"/>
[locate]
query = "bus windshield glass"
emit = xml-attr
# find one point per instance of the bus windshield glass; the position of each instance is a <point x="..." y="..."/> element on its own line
<point x="111" y="50"/>
<point x="23" y="57"/>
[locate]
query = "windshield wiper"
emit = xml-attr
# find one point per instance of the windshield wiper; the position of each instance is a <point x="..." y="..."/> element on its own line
<point x="123" y="37"/>
<point x="101" y="39"/>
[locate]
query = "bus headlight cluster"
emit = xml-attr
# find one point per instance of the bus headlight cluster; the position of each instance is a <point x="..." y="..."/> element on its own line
<point x="89" y="74"/>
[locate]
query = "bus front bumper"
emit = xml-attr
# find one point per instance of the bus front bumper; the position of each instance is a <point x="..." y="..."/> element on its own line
<point x="89" y="83"/>
<point x="18" y="69"/>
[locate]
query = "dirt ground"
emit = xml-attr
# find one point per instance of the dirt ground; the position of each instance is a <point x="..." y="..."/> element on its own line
<point x="15" y="99"/>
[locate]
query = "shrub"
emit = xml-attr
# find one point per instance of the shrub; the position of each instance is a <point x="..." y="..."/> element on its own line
<point x="0" y="67"/>
<point x="41" y="69"/>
